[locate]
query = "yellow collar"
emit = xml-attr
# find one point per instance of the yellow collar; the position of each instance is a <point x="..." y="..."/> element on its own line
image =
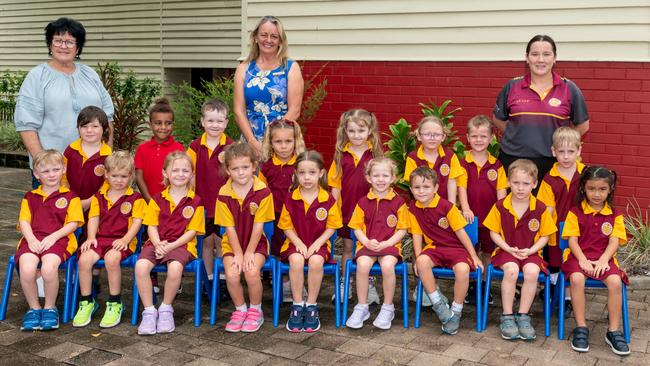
<point x="347" y="147"/>
<point x="372" y="196"/>
<point x="507" y="203"/>
<point x="420" y="154"/>
<point x="228" y="191"/>
<point x="433" y="204"/>
<point x="322" y="195"/>
<point x="555" y="170"/>
<point x="276" y="161"/>
<point x="165" y="194"/>
<point x="204" y="139"/>
<point x="588" y="210"/>
<point x="104" y="150"/>
<point x="105" y="187"/>
<point x="39" y="191"/>
<point x="470" y="159"/>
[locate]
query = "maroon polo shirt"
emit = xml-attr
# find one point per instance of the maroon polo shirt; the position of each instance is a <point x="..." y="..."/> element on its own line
<point x="481" y="185"/>
<point x="115" y="218"/>
<point x="209" y="176"/>
<point x="441" y="161"/>
<point x="352" y="180"/>
<point x="563" y="196"/>
<point x="278" y="176"/>
<point x="85" y="175"/>
<point x="437" y="222"/>
<point x="594" y="228"/>
<point x="150" y="158"/>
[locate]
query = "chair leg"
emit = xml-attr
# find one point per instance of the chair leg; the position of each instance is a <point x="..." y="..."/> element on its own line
<point x="70" y="267"/>
<point x="215" y="294"/>
<point x="405" y="295"/>
<point x="486" y="295"/>
<point x="337" y="295"/>
<point x="6" y="290"/>
<point x="547" y="306"/>
<point x="135" y="308"/>
<point x="626" y="319"/>
<point x="561" y="284"/>
<point x="75" y="293"/>
<point x="479" y="297"/>
<point x="197" y="292"/>
<point x="346" y="289"/>
<point x="277" y="293"/>
<point x="418" y="304"/>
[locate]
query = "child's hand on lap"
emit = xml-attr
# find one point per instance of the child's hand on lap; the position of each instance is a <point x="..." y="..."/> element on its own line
<point x="35" y="245"/>
<point x="600" y="266"/>
<point x="120" y="244"/>
<point x="469" y="216"/>
<point x="47" y="243"/>
<point x="87" y="244"/>
<point x="249" y="261"/>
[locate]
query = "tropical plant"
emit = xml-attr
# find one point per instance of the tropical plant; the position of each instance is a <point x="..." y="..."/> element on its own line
<point x="635" y="256"/>
<point x="131" y="99"/>
<point x="400" y="143"/>
<point x="315" y="93"/>
<point x="10" y="82"/>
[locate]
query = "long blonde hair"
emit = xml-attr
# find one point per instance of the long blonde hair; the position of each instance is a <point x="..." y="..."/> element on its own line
<point x="254" y="48"/>
<point x="298" y="140"/>
<point x="360" y="117"/>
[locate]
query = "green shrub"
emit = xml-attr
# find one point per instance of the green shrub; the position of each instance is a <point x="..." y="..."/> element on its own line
<point x="635" y="256"/>
<point x="131" y="99"/>
<point x="10" y="139"/>
<point x="10" y="82"/>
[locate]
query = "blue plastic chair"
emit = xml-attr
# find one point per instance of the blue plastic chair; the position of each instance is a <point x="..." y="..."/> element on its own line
<point x="128" y="262"/>
<point x="269" y="266"/>
<point x="558" y="297"/>
<point x="542" y="278"/>
<point x="70" y="266"/>
<point x="401" y="270"/>
<point x="448" y="273"/>
<point x="331" y="267"/>
<point x="201" y="280"/>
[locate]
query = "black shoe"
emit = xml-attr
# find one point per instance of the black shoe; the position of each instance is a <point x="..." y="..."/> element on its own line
<point x="580" y="339"/>
<point x="470" y="298"/>
<point x="616" y="340"/>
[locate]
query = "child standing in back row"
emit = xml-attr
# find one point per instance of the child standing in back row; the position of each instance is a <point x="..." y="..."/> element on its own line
<point x="357" y="142"/>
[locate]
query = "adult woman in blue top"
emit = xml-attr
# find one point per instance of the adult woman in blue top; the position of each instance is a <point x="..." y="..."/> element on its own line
<point x="54" y="92"/>
<point x="268" y="85"/>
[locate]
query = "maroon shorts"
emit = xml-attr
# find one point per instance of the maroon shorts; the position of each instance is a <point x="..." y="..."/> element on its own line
<point x="323" y="251"/>
<point x="571" y="266"/>
<point x="485" y="242"/>
<point x="447" y="257"/>
<point x="179" y="254"/>
<point x="58" y="249"/>
<point x="277" y="239"/>
<point x="345" y="232"/>
<point x="106" y="244"/>
<point x="262" y="248"/>
<point x="387" y="251"/>
<point x="502" y="257"/>
<point x="554" y="253"/>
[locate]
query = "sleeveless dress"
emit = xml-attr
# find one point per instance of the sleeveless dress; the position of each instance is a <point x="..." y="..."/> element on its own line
<point x="265" y="94"/>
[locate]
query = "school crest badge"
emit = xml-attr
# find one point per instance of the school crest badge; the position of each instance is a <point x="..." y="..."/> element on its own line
<point x="554" y="102"/>
<point x="125" y="208"/>
<point x="492" y="175"/>
<point x="606" y="228"/>
<point x="391" y="221"/>
<point x="321" y="213"/>
<point x="444" y="170"/>
<point x="443" y="223"/>
<point x="252" y="207"/>
<point x="188" y="212"/>
<point x="99" y="170"/>
<point x="220" y="156"/>
<point x="61" y="203"/>
<point x="533" y="225"/>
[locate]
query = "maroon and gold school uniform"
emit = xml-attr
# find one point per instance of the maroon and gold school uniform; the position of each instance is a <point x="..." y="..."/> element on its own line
<point x="560" y="193"/>
<point x="47" y="214"/>
<point x="115" y="219"/>
<point x="446" y="166"/>
<point x="172" y="221"/>
<point x="437" y="223"/>
<point x="85" y="174"/>
<point x="353" y="175"/>
<point x="482" y="184"/>
<point x="309" y="221"/>
<point x="242" y="213"/>
<point x="278" y="176"/>
<point x="208" y="174"/>
<point x="379" y="219"/>
<point x="593" y="229"/>
<point x="522" y="232"/>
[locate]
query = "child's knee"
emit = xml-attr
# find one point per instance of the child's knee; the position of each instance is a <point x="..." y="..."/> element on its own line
<point x="614" y="283"/>
<point x="316" y="262"/>
<point x="296" y="260"/>
<point x="142" y="268"/>
<point x="461" y="270"/>
<point x="252" y="275"/>
<point x="577" y="280"/>
<point x="423" y="263"/>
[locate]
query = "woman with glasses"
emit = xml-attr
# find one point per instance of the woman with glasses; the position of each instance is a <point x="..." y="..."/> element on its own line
<point x="54" y="92"/>
<point x="268" y="85"/>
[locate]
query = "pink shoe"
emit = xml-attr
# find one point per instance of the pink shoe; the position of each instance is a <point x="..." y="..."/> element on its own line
<point x="165" y="323"/>
<point x="236" y="321"/>
<point x="253" y="322"/>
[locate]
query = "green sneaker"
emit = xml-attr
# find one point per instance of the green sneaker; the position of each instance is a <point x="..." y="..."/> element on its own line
<point x="85" y="313"/>
<point x="112" y="315"/>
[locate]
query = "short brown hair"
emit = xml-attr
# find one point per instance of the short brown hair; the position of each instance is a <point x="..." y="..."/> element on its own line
<point x="119" y="160"/>
<point x="215" y="105"/>
<point x="425" y="173"/>
<point x="566" y="135"/>
<point x="480" y="120"/>
<point x="239" y="149"/>
<point x="47" y="156"/>
<point x="524" y="165"/>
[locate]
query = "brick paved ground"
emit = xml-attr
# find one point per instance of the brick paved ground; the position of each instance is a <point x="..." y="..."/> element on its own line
<point x="209" y="345"/>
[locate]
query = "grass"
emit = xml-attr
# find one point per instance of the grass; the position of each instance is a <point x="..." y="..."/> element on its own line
<point x="635" y="256"/>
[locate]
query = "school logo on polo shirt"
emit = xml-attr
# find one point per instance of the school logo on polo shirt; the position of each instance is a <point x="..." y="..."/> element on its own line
<point x="61" y="203"/>
<point x="492" y="175"/>
<point x="321" y="213"/>
<point x="125" y="208"/>
<point x="554" y="102"/>
<point x="252" y="207"/>
<point x="444" y="169"/>
<point x="220" y="156"/>
<point x="443" y="223"/>
<point x="391" y="221"/>
<point x="533" y="225"/>
<point x="99" y="170"/>
<point x="188" y="212"/>
<point x="606" y="228"/>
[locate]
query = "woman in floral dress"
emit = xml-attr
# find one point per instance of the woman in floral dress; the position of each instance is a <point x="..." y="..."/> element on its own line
<point x="268" y="85"/>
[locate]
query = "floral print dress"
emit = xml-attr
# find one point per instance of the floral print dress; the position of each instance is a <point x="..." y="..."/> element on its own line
<point x="265" y="93"/>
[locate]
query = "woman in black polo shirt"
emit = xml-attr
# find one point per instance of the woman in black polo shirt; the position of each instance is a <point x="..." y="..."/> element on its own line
<point x="530" y="108"/>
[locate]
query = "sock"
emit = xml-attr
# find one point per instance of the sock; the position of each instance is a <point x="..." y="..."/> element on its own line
<point x="434" y="296"/>
<point x="150" y="308"/>
<point x="222" y="276"/>
<point x="210" y="276"/>
<point x="308" y="304"/>
<point x="88" y="298"/>
<point x="115" y="298"/>
<point x="257" y="307"/>
<point x="456" y="308"/>
<point x="302" y="303"/>
<point x="389" y="307"/>
<point x="164" y="306"/>
<point x="365" y="306"/>
<point x="554" y="277"/>
<point x="241" y="308"/>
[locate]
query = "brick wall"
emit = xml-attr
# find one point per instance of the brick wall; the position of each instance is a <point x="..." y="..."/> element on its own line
<point x="617" y="94"/>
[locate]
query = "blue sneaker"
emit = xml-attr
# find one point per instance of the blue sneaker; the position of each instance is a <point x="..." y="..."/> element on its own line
<point x="49" y="319"/>
<point x="296" y="320"/>
<point x="32" y="320"/>
<point x="312" y="323"/>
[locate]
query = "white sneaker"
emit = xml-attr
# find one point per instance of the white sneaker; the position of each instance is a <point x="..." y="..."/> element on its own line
<point x="373" y="297"/>
<point x="359" y="315"/>
<point x="385" y="317"/>
<point x="40" y="287"/>
<point x="425" y="298"/>
<point x="287" y="296"/>
<point x="342" y="290"/>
